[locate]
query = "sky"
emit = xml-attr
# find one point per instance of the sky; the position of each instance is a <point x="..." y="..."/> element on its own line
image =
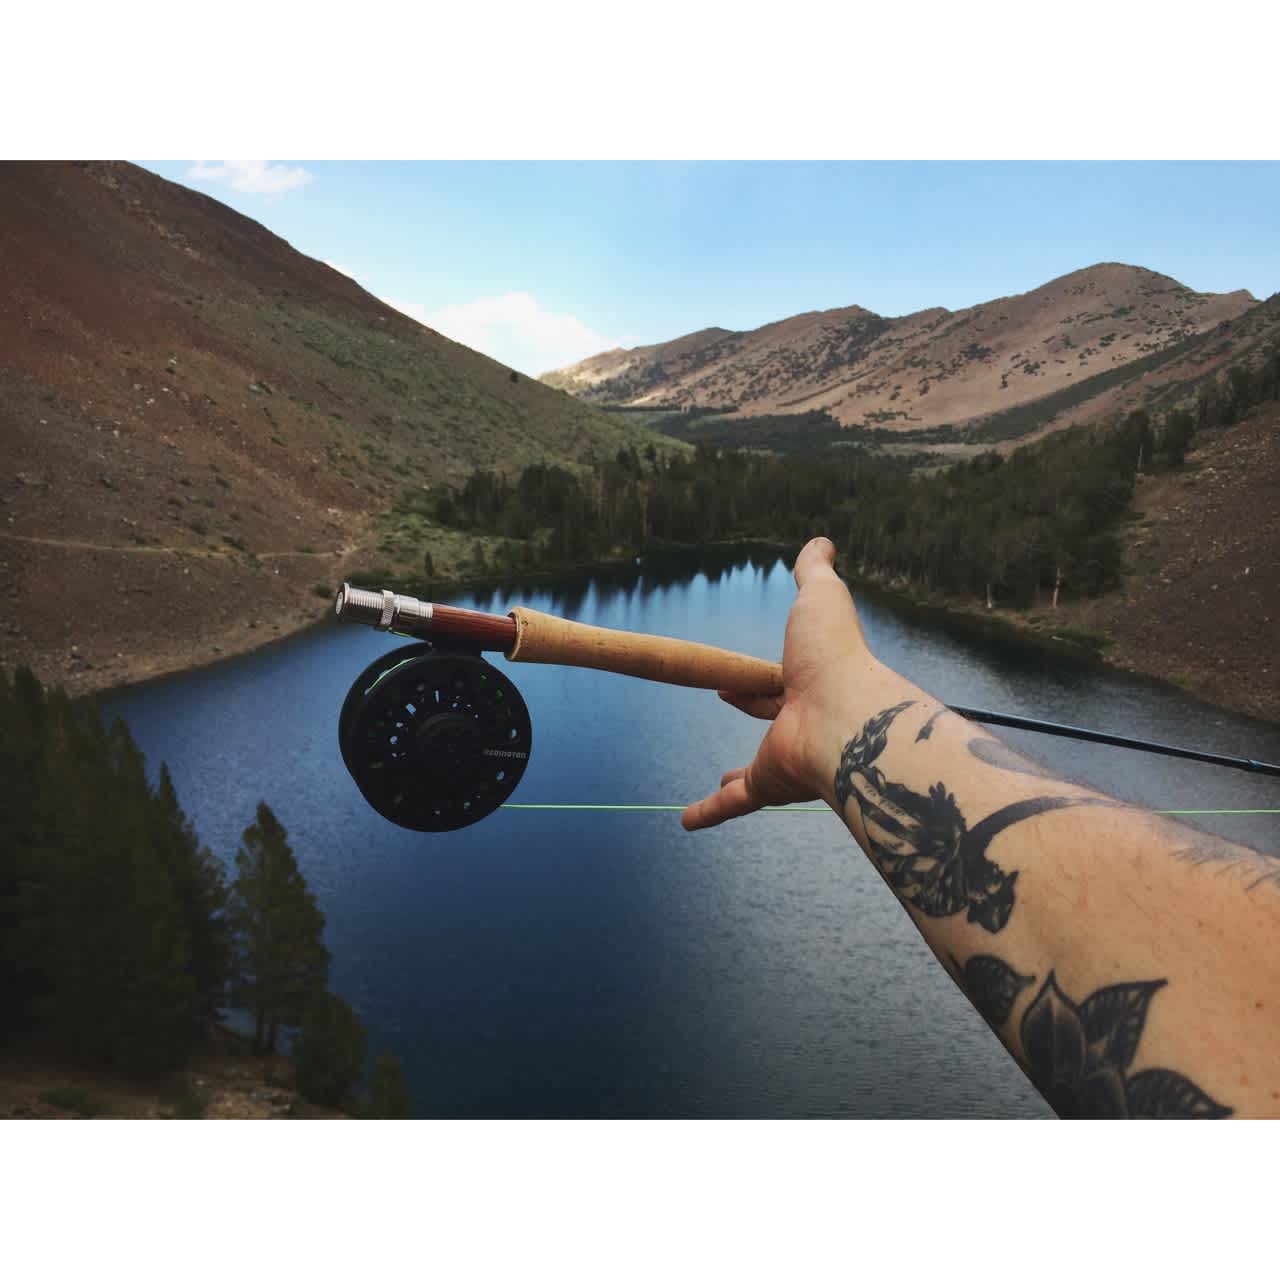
<point x="540" y="264"/>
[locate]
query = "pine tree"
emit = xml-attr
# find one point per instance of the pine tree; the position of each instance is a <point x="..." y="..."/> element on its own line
<point x="328" y="1055"/>
<point x="105" y="895"/>
<point x="106" y="931"/>
<point x="139" y="954"/>
<point x="55" y="760"/>
<point x="388" y="1098"/>
<point x="20" y="765"/>
<point x="201" y="887"/>
<point x="280" y="961"/>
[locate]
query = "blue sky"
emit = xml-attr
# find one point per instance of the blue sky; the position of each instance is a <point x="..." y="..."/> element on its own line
<point x="540" y="264"/>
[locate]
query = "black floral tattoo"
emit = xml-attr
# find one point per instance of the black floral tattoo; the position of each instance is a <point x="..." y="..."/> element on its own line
<point x="1079" y="1056"/>
<point x="922" y="844"/>
<point x="992" y="986"/>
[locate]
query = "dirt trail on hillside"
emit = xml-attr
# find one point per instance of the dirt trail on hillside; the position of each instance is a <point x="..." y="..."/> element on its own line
<point x="189" y="549"/>
<point x="92" y="617"/>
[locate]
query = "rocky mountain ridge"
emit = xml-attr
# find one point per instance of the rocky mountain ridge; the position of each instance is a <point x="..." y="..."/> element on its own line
<point x="931" y="369"/>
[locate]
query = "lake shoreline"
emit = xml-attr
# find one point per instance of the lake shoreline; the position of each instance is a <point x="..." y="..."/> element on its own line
<point x="223" y="1080"/>
<point x="199" y="652"/>
<point x="1051" y="631"/>
<point x="1073" y="632"/>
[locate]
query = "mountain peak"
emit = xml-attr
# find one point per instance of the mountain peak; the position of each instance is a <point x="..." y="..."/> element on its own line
<point x="928" y="369"/>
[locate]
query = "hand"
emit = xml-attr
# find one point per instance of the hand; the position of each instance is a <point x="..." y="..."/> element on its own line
<point x="824" y="655"/>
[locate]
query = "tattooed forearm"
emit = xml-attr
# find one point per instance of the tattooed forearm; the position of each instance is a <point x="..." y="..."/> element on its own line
<point x="922" y="844"/>
<point x="1194" y="847"/>
<point x="1079" y="1056"/>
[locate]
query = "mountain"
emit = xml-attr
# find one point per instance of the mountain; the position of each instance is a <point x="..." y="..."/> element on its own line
<point x="931" y="369"/>
<point x="204" y="428"/>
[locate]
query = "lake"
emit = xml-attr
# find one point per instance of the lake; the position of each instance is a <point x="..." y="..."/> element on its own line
<point x="576" y="964"/>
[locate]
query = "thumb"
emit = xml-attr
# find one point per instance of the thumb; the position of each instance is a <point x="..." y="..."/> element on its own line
<point x="815" y="561"/>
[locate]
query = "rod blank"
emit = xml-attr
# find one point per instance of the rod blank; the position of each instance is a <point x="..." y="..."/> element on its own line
<point x="1114" y="740"/>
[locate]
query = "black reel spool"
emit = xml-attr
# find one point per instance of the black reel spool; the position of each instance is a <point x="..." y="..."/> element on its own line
<point x="434" y="736"/>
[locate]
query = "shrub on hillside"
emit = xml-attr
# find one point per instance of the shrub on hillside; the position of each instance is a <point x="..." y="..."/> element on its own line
<point x="388" y="1098"/>
<point x="329" y="1052"/>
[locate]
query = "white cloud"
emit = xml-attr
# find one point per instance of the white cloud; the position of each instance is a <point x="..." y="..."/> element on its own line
<point x="515" y="330"/>
<point x="416" y="311"/>
<point x="255" y="177"/>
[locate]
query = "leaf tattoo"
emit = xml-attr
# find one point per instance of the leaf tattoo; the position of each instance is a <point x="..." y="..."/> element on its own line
<point x="992" y="986"/>
<point x="1113" y="1018"/>
<point x="1078" y="1056"/>
<point x="1165" y="1095"/>
<point x="922" y="844"/>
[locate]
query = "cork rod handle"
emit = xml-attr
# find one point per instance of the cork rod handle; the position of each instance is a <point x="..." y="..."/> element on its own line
<point x="541" y="637"/>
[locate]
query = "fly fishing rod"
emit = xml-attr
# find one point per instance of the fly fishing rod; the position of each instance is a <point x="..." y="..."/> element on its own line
<point x="437" y="738"/>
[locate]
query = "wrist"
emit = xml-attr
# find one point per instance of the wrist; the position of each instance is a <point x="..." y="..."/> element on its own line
<point x="861" y="689"/>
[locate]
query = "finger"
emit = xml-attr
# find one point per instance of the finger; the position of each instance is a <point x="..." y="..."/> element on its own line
<point x="764" y="706"/>
<point x="729" y="802"/>
<point x="815" y="561"/>
<point x="727" y="778"/>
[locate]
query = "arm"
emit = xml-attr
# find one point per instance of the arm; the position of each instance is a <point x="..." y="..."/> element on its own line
<point x="1128" y="962"/>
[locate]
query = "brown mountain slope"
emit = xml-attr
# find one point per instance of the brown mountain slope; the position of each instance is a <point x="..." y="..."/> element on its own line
<point x="1200" y="600"/>
<point x="929" y="369"/>
<point x="1201" y="603"/>
<point x="1183" y="377"/>
<point x="195" y="416"/>
<point x="1249" y="341"/>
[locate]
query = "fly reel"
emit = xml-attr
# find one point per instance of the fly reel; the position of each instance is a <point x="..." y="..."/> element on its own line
<point x="434" y="737"/>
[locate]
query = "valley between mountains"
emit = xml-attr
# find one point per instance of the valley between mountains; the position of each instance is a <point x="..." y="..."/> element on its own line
<point x="205" y="431"/>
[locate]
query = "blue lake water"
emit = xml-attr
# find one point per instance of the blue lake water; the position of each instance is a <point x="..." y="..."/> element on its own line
<point x="578" y="964"/>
